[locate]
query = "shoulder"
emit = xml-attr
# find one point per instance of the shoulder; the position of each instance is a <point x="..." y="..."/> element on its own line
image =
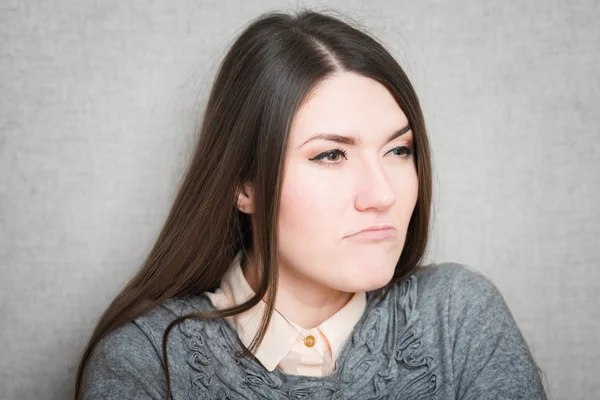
<point x="141" y="338"/>
<point x="158" y="318"/>
<point x="468" y="308"/>
<point x="124" y="363"/>
<point x="450" y="294"/>
<point x="460" y="298"/>
<point x="128" y="362"/>
<point x="155" y="322"/>
<point x="450" y="273"/>
<point x="453" y="283"/>
<point x="445" y="295"/>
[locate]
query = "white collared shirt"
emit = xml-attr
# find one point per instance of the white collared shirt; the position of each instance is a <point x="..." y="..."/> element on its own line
<point x="293" y="349"/>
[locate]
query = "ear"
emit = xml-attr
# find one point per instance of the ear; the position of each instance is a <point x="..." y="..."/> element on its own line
<point x="245" y="199"/>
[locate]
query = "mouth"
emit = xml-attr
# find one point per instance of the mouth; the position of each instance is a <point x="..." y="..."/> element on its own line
<point x="375" y="232"/>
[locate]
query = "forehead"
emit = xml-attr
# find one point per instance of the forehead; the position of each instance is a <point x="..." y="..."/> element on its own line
<point x="348" y="104"/>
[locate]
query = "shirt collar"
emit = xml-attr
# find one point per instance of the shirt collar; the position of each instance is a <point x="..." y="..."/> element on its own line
<point x="339" y="326"/>
<point x="280" y="336"/>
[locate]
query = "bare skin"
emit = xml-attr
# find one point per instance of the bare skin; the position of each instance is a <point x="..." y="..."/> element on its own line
<point x="333" y="189"/>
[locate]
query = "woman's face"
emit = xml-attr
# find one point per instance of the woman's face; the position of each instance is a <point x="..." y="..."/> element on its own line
<point x="333" y="188"/>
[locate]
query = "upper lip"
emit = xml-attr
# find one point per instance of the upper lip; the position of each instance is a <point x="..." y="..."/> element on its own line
<point x="376" y="227"/>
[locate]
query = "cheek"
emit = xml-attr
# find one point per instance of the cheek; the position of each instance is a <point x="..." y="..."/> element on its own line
<point x="314" y="214"/>
<point x="407" y="191"/>
<point x="309" y="207"/>
<point x="310" y="225"/>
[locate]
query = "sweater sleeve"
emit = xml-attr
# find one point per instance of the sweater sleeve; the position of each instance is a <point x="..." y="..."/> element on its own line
<point x="125" y="365"/>
<point x="491" y="359"/>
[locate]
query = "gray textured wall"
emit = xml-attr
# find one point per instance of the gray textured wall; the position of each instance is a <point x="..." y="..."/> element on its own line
<point x="98" y="104"/>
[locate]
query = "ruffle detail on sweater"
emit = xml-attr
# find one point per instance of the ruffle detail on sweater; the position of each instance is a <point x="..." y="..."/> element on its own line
<point x="385" y="358"/>
<point x="393" y="363"/>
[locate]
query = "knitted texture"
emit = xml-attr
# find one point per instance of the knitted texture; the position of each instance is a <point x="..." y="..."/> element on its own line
<point x="444" y="333"/>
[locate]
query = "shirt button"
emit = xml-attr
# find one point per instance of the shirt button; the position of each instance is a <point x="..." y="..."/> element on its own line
<point x="310" y="341"/>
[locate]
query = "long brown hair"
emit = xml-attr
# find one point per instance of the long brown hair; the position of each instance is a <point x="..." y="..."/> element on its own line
<point x="267" y="74"/>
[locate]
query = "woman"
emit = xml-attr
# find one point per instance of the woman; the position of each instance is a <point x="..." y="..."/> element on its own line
<point x="289" y="265"/>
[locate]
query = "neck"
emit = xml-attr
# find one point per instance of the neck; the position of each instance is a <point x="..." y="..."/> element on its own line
<point x="300" y="299"/>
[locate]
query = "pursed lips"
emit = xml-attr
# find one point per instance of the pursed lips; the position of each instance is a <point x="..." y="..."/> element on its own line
<point x="375" y="231"/>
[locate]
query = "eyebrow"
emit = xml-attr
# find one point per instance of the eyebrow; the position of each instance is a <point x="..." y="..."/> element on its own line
<point x="351" y="140"/>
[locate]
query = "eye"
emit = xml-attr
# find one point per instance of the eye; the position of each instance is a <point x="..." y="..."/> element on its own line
<point x="403" y="151"/>
<point x="333" y="157"/>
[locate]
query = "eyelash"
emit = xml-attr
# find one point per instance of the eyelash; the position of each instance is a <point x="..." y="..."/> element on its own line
<point x="407" y="152"/>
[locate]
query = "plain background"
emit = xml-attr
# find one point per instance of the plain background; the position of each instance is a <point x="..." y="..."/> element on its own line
<point x="99" y="101"/>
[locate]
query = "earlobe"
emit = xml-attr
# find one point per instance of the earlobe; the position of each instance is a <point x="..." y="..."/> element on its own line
<point x="245" y="199"/>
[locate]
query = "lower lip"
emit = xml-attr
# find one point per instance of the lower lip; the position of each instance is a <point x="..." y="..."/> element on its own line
<point x="375" y="234"/>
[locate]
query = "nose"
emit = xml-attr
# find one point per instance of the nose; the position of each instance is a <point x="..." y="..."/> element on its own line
<point x="373" y="188"/>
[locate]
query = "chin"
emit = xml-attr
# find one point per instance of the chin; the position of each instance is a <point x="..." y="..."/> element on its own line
<point x="365" y="282"/>
<point x="374" y="284"/>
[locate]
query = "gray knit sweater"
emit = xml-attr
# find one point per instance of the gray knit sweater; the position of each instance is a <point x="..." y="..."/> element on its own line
<point x="445" y="333"/>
